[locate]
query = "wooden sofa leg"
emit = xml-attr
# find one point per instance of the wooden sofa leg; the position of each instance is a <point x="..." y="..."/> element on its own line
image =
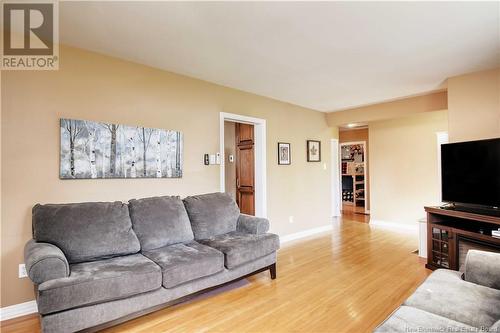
<point x="272" y="270"/>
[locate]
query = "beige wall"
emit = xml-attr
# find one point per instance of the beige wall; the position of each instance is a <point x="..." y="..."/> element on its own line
<point x="403" y="166"/>
<point x="95" y="87"/>
<point x="389" y="110"/>
<point x="403" y="132"/>
<point x="473" y="101"/>
<point x="474" y="106"/>
<point x="230" y="149"/>
<point x="360" y="135"/>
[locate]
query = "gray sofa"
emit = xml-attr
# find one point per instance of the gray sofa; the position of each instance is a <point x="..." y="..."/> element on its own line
<point x="447" y="303"/>
<point x="97" y="264"/>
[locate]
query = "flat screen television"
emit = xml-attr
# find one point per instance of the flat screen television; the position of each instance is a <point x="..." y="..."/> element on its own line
<point x="470" y="173"/>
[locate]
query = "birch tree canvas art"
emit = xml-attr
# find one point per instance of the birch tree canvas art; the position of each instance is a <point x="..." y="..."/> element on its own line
<point x="98" y="150"/>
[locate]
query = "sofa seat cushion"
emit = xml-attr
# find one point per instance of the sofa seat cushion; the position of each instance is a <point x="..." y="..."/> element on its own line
<point x="239" y="248"/>
<point x="86" y="231"/>
<point x="181" y="263"/>
<point x="160" y="221"/>
<point x="212" y="214"/>
<point x="99" y="281"/>
<point x="444" y="293"/>
<point x="409" y="319"/>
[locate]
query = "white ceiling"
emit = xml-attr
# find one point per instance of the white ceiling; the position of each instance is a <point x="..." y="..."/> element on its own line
<point x="325" y="55"/>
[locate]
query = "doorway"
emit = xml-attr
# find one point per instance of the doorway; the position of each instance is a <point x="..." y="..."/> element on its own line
<point x="354" y="171"/>
<point x="243" y="161"/>
<point x="239" y="152"/>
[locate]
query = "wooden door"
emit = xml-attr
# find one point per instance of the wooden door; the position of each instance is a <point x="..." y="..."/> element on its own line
<point x="245" y="184"/>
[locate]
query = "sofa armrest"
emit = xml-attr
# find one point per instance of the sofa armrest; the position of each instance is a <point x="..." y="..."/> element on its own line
<point x="252" y="225"/>
<point x="44" y="262"/>
<point x="483" y="268"/>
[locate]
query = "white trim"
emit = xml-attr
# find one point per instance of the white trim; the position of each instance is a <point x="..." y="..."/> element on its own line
<point x="441" y="138"/>
<point x="336" y="182"/>
<point x="394" y="226"/>
<point x="260" y="158"/>
<point x="422" y="234"/>
<point x="18" y="310"/>
<point x="352" y="143"/>
<point x="305" y="233"/>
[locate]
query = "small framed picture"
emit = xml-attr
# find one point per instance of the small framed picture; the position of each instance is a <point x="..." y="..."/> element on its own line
<point x="284" y="154"/>
<point x="313" y="151"/>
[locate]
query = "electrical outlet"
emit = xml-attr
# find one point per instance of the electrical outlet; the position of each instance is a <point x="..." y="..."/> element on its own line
<point x="290" y="219"/>
<point x="22" y="271"/>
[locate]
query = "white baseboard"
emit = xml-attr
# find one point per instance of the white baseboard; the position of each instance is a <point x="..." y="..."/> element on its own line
<point x="394" y="226"/>
<point x="305" y="233"/>
<point x="18" y="310"/>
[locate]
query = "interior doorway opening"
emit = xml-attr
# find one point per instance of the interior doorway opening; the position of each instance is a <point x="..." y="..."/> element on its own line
<point x="239" y="152"/>
<point x="243" y="161"/>
<point x="354" y="172"/>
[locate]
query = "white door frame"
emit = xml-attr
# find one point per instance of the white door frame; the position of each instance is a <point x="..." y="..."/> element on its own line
<point x="336" y="182"/>
<point x="260" y="158"/>
<point x="441" y="138"/>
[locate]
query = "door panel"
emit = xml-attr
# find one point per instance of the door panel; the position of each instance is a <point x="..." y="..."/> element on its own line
<point x="245" y="132"/>
<point x="245" y="173"/>
<point x="246" y="164"/>
<point x="246" y="201"/>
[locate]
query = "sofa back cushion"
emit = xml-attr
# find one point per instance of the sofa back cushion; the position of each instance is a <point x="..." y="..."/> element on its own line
<point x="86" y="231"/>
<point x="160" y="221"/>
<point x="212" y="214"/>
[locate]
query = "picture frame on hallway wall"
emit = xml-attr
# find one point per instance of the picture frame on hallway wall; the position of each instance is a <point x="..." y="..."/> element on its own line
<point x="313" y="151"/>
<point x="284" y="153"/>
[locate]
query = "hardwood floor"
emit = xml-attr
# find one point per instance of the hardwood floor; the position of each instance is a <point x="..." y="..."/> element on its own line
<point x="348" y="280"/>
<point x="351" y="216"/>
<point x="29" y="323"/>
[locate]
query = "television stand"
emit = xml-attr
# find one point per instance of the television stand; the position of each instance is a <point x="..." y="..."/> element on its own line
<point x="451" y="233"/>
